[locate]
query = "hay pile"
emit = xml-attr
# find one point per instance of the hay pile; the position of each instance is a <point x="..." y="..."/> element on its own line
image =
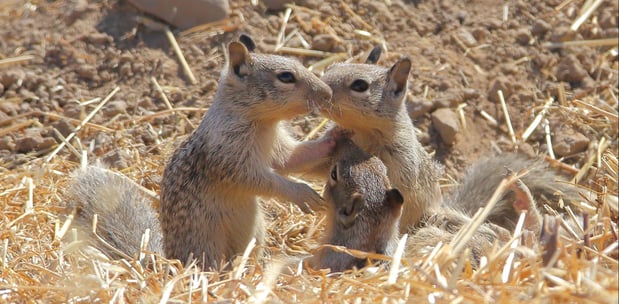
<point x="37" y="266"/>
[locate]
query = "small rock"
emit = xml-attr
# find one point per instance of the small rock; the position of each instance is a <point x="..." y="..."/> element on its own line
<point x="9" y="108"/>
<point x="87" y="72"/>
<point x="446" y="123"/>
<point x="63" y="126"/>
<point x="418" y="108"/>
<point x="540" y="28"/>
<point x="11" y="77"/>
<point x="6" y="143"/>
<point x="118" y="159"/>
<point x="73" y="110"/>
<point x="276" y="5"/>
<point x="523" y="36"/>
<point x="28" y="143"/>
<point x="569" y="69"/>
<point x="99" y="38"/>
<point x="568" y="142"/>
<point x="466" y="37"/>
<point x="469" y="94"/>
<point x="499" y="83"/>
<point x="114" y="108"/>
<point x="323" y="42"/>
<point x="185" y="13"/>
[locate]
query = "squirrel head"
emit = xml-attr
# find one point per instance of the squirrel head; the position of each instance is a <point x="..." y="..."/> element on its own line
<point x="367" y="92"/>
<point x="360" y="196"/>
<point x="269" y="87"/>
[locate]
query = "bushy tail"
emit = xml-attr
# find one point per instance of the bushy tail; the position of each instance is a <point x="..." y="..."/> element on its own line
<point x="483" y="178"/>
<point x="124" y="213"/>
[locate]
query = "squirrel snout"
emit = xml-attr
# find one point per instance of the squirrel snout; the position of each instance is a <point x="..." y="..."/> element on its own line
<point x="322" y="93"/>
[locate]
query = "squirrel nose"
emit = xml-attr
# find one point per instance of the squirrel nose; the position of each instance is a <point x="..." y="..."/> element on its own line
<point x="323" y="92"/>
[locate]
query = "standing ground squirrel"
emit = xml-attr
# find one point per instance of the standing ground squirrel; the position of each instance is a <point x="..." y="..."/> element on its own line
<point x="209" y="208"/>
<point x="363" y="210"/>
<point x="369" y="99"/>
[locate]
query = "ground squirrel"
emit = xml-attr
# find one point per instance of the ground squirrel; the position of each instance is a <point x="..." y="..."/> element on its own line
<point x="363" y="213"/>
<point x="363" y="210"/>
<point x="209" y="208"/>
<point x="484" y="176"/>
<point x="369" y="99"/>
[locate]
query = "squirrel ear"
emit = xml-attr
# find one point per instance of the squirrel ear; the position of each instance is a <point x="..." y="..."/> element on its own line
<point x="374" y="55"/>
<point x="393" y="198"/>
<point x="248" y="42"/>
<point x="239" y="58"/>
<point x="398" y="74"/>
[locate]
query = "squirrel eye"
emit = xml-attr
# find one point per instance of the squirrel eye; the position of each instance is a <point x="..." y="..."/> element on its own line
<point x="334" y="173"/>
<point x="359" y="85"/>
<point x="286" y="77"/>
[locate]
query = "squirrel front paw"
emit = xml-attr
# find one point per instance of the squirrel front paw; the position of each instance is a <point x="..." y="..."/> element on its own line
<point x="305" y="197"/>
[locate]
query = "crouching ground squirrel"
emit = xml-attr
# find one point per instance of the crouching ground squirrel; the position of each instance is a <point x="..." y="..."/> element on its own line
<point x="370" y="100"/>
<point x="209" y="208"/>
<point x="363" y="210"/>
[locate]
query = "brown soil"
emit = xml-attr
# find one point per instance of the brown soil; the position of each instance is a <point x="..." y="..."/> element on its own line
<point x="462" y="52"/>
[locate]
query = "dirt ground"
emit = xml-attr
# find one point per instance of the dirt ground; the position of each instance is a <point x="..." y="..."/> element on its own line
<point x="462" y="54"/>
<point x="72" y="54"/>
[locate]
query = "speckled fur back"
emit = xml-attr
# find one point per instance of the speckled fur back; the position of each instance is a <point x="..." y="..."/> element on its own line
<point x="123" y="212"/>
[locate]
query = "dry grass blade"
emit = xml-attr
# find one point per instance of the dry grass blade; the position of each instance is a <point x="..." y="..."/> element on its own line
<point x="83" y="123"/>
<point x="15" y="60"/>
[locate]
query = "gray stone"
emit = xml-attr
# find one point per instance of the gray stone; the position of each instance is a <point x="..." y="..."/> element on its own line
<point x="446" y="123"/>
<point x="185" y="13"/>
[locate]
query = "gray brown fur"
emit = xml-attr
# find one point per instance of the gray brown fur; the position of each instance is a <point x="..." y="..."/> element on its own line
<point x="362" y="209"/>
<point x="383" y="128"/>
<point x="483" y="177"/>
<point x="209" y="188"/>
<point x="121" y="207"/>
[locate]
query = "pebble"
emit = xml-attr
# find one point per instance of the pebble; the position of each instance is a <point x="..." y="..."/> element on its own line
<point x="446" y="123"/>
<point x="323" y="42"/>
<point x="276" y="5"/>
<point x="185" y="13"/>
<point x="466" y="37"/>
<point x="523" y="36"/>
<point x="570" y="70"/>
<point x="568" y="142"/>
<point x="6" y="143"/>
<point x="114" y="108"/>
<point x="418" y="108"/>
<point x="499" y="83"/>
<point x="118" y="159"/>
<point x="540" y="28"/>
<point x="33" y="141"/>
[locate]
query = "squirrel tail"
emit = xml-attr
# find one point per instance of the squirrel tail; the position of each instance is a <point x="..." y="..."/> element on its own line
<point x="483" y="178"/>
<point x="123" y="212"/>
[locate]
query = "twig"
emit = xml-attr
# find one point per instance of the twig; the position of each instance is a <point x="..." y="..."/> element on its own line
<point x="592" y="43"/>
<point x="167" y="102"/>
<point x="179" y="54"/>
<point x="15" y="60"/>
<point x="579" y="21"/>
<point x="551" y="151"/>
<point x="536" y="120"/>
<point x="507" y="119"/>
<point x="313" y="132"/>
<point x="83" y="123"/>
